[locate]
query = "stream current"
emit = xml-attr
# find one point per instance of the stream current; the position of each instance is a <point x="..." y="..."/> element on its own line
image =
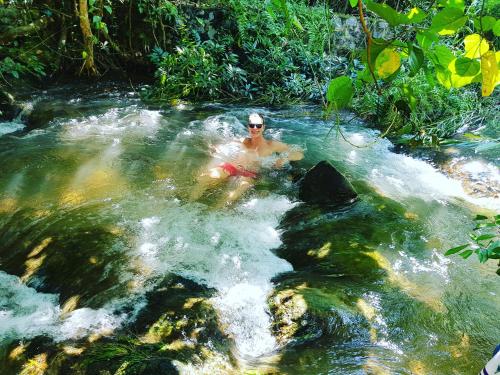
<point x="94" y="214"/>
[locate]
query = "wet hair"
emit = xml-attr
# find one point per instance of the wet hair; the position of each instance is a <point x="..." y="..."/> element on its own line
<point x="253" y="116"/>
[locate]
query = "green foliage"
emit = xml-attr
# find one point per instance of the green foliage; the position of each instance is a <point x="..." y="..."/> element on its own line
<point x="393" y="17"/>
<point x="420" y="112"/>
<point x="255" y="54"/>
<point x="485" y="241"/>
<point x="425" y="41"/>
<point x="191" y="71"/>
<point x="20" y="58"/>
<point x="339" y="93"/>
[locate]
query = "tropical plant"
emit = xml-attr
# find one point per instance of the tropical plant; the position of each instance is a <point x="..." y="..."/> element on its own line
<point x="448" y="44"/>
<point x="485" y="241"/>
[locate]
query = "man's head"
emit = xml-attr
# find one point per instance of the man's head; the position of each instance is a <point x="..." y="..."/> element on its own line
<point x="255" y="124"/>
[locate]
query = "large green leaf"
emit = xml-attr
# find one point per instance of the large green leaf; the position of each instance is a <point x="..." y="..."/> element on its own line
<point x="487" y="23"/>
<point x="354" y="3"/>
<point x="441" y="55"/>
<point x="496" y="28"/>
<point x="465" y="67"/>
<point x="486" y="236"/>
<point x="415" y="59"/>
<point x="456" y="249"/>
<point x="448" y="21"/>
<point x="464" y="71"/>
<point x="426" y="39"/>
<point x="466" y="254"/>
<point x="393" y="17"/>
<point x="340" y="92"/>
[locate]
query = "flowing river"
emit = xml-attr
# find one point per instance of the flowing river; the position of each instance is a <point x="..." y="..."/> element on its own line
<point x="106" y="265"/>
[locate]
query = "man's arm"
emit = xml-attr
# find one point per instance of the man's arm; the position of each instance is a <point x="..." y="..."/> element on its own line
<point x="286" y="153"/>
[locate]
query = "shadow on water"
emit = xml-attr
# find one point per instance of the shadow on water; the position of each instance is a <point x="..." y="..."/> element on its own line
<point x="175" y="325"/>
<point x="78" y="253"/>
<point x="345" y="309"/>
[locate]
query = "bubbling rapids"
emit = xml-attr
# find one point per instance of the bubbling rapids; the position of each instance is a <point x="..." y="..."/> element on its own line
<point x="127" y="172"/>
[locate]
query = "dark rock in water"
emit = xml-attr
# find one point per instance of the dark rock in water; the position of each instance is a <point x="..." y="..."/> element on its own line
<point x="8" y="107"/>
<point x="41" y="115"/>
<point x="303" y="314"/>
<point x="46" y="111"/>
<point x="324" y="184"/>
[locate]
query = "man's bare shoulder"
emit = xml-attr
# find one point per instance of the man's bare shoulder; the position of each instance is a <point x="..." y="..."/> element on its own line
<point x="247" y="142"/>
<point x="278" y="146"/>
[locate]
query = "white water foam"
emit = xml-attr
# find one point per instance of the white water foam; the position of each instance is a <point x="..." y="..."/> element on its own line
<point x="225" y="250"/>
<point x="398" y="176"/>
<point x="10" y="127"/>
<point x="26" y="313"/>
<point x="115" y="123"/>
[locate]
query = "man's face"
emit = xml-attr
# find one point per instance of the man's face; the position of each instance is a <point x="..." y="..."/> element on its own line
<point x="255" y="130"/>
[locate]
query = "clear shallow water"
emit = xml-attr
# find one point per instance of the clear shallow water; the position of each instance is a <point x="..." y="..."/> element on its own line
<point x="94" y="212"/>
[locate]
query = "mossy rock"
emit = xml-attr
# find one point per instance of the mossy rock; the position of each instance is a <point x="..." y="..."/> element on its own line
<point x="302" y="314"/>
<point x="177" y="323"/>
<point x="176" y="308"/>
<point x="341" y="241"/>
<point x="9" y="109"/>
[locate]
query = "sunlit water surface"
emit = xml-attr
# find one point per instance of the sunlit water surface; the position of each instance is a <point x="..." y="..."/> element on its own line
<point x="94" y="211"/>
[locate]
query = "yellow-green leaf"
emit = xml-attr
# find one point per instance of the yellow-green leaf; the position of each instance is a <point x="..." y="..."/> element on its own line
<point x="497" y="57"/>
<point x="387" y="63"/>
<point x="460" y="4"/>
<point x="443" y="76"/>
<point x="297" y="23"/>
<point x="464" y="71"/>
<point x="84" y="54"/>
<point x="475" y="46"/>
<point x="416" y="15"/>
<point x="489" y="70"/>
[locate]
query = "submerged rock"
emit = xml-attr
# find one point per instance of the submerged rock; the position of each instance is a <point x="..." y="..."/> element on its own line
<point x="176" y="327"/>
<point x="323" y="184"/>
<point x="9" y="109"/>
<point x="301" y="314"/>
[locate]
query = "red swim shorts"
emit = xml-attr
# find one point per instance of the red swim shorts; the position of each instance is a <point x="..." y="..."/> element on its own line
<point x="233" y="170"/>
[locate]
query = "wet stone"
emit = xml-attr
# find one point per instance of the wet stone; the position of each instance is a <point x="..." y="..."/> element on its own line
<point x="9" y="109"/>
<point x="303" y="314"/>
<point x="323" y="184"/>
<point x="176" y="325"/>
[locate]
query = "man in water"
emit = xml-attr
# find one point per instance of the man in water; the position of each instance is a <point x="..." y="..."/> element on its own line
<point x="245" y="166"/>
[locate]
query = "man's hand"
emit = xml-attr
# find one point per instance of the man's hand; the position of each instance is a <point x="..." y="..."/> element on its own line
<point x="280" y="163"/>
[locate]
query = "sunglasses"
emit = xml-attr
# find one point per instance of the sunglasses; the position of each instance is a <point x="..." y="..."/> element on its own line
<point x="258" y="126"/>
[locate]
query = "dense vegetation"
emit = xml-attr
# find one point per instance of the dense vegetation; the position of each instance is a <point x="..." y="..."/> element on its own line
<point x="414" y="68"/>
